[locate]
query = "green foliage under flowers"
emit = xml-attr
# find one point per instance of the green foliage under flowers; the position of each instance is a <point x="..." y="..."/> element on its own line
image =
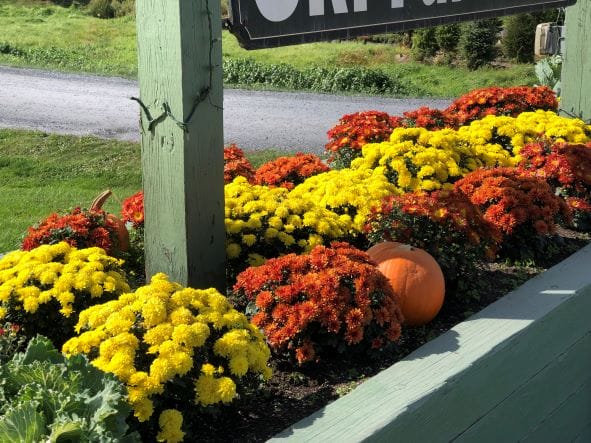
<point x="10" y="341"/>
<point x="47" y="397"/>
<point x="443" y="223"/>
<point x="320" y="79"/>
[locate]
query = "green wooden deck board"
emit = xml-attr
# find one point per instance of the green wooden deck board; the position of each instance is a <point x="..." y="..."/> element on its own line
<point x="570" y="421"/>
<point x="537" y="399"/>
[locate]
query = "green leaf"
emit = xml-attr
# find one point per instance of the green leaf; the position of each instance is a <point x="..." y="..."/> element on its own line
<point x="22" y="424"/>
<point x="70" y="431"/>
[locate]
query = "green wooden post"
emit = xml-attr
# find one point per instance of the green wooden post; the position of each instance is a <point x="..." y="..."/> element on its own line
<point x="576" y="67"/>
<point x="179" y="50"/>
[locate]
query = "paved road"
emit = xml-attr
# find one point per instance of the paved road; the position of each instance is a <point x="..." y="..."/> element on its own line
<point x="101" y="106"/>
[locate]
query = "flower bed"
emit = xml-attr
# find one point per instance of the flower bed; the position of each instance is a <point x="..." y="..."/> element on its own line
<point x="511" y="372"/>
<point x="304" y="299"/>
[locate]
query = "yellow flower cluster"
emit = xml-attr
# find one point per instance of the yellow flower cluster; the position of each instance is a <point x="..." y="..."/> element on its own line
<point x="162" y="332"/>
<point x="512" y="133"/>
<point x="59" y="272"/>
<point x="264" y="222"/>
<point x="171" y="422"/>
<point x="416" y="159"/>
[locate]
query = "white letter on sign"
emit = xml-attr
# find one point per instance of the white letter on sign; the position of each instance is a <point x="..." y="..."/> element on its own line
<point x="397" y="4"/>
<point x="277" y="11"/>
<point x="360" y="5"/>
<point x="317" y="7"/>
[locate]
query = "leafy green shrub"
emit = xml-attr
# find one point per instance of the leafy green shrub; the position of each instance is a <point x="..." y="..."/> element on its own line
<point x="47" y="397"/>
<point x="549" y="71"/>
<point x="424" y="44"/>
<point x="448" y="37"/>
<point x="478" y="42"/>
<point x="123" y="8"/>
<point x="518" y="42"/>
<point x="249" y="72"/>
<point x="101" y="8"/>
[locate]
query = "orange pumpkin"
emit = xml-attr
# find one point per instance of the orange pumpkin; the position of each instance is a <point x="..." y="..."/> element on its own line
<point x="122" y="233"/>
<point x="415" y="276"/>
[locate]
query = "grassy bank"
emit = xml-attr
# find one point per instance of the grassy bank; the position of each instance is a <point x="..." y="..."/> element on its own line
<point x="38" y="34"/>
<point x="41" y="173"/>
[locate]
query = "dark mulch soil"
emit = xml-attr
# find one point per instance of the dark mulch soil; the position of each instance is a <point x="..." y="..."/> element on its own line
<point x="295" y="392"/>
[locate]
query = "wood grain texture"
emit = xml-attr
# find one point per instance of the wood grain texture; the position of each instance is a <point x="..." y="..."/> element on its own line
<point x="182" y="170"/>
<point x="491" y="364"/>
<point x="576" y="68"/>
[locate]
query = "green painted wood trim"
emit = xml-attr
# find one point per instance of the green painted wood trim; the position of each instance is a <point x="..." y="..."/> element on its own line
<point x="534" y="403"/>
<point x="447" y="386"/>
<point x="182" y="169"/>
<point x="576" y="67"/>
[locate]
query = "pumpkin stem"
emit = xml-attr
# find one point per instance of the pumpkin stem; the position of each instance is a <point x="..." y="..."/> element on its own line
<point x="99" y="201"/>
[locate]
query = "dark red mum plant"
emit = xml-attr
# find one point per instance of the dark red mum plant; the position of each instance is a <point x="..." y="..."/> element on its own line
<point x="236" y="164"/>
<point x="288" y="172"/>
<point x="332" y="298"/>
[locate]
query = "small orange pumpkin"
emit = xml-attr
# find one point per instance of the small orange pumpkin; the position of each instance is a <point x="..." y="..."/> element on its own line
<point x="415" y="276"/>
<point x="121" y="230"/>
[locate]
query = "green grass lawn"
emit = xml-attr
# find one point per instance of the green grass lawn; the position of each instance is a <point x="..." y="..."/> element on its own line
<point x="38" y="34"/>
<point x="41" y="174"/>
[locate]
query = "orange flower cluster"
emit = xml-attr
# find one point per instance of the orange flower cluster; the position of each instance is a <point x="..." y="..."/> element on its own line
<point x="444" y="223"/>
<point x="566" y="167"/>
<point x="500" y="101"/>
<point x="132" y="210"/>
<point x="431" y="119"/>
<point x="80" y="228"/>
<point x="288" y="172"/>
<point x="355" y="130"/>
<point x="330" y="298"/>
<point x="236" y="164"/>
<point x="450" y="210"/>
<point x="511" y="201"/>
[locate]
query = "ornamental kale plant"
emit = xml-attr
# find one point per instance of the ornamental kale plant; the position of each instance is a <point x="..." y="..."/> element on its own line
<point x="44" y="290"/>
<point x="175" y="349"/>
<point x="47" y="397"/>
<point x="332" y="299"/>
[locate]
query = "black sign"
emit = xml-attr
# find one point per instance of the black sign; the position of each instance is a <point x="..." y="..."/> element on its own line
<point x="265" y="23"/>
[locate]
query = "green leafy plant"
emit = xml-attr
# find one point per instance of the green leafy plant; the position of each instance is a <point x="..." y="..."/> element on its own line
<point x="47" y="397"/>
<point x="478" y="42"/>
<point x="250" y="72"/>
<point x="548" y="71"/>
<point x="10" y="341"/>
